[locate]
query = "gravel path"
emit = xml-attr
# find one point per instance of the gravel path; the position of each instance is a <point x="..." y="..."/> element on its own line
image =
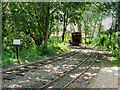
<point x="106" y="78"/>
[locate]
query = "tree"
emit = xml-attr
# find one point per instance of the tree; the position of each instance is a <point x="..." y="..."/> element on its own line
<point x="32" y="17"/>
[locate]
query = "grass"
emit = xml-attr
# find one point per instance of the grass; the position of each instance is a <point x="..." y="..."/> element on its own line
<point x="33" y="52"/>
<point x="115" y="63"/>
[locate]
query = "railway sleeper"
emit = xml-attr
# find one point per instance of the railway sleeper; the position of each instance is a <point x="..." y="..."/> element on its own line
<point x="44" y="83"/>
<point x="25" y="70"/>
<point x="35" y="68"/>
<point x="20" y="74"/>
<point x="8" y="73"/>
<point x="35" y="64"/>
<point x="18" y="69"/>
<point x="42" y="62"/>
<point x="8" y="78"/>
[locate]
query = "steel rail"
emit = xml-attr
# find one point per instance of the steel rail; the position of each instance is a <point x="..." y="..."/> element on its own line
<point x="35" y="62"/>
<point x="39" y="61"/>
<point x="65" y="73"/>
<point x="29" y="69"/>
<point x="80" y="73"/>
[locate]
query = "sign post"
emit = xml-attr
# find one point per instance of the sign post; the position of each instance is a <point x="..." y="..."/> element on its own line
<point x="16" y="42"/>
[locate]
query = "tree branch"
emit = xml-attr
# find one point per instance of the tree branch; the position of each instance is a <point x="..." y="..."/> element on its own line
<point x="5" y="6"/>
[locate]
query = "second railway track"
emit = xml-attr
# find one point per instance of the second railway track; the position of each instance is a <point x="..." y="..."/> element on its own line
<point x="65" y="80"/>
<point x="9" y="74"/>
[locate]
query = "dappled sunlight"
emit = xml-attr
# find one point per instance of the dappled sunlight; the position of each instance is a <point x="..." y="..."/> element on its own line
<point x="74" y="59"/>
<point x="87" y="73"/>
<point x="56" y="68"/>
<point x="50" y="87"/>
<point x="95" y="67"/>
<point x="59" y="72"/>
<point x="116" y="74"/>
<point x="24" y="81"/>
<point x="59" y="57"/>
<point x="44" y="80"/>
<point x="110" y="69"/>
<point x="115" y="68"/>
<point x="29" y="78"/>
<point x="111" y="58"/>
<point x="14" y="85"/>
<point x="66" y="65"/>
<point x="106" y="78"/>
<point x="85" y="51"/>
<point x="48" y="70"/>
<point x="74" y="76"/>
<point x="83" y="67"/>
<point x="94" y="74"/>
<point x="107" y="70"/>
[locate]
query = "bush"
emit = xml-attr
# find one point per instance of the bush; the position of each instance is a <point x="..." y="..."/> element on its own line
<point x="33" y="52"/>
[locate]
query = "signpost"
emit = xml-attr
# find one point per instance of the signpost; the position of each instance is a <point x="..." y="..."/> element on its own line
<point x="16" y="42"/>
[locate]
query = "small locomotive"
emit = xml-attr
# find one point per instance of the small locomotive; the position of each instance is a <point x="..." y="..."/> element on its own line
<point x="76" y="38"/>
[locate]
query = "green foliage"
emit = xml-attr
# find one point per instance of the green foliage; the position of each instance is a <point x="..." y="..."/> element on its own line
<point x="109" y="44"/>
<point x="32" y="23"/>
<point x="33" y="52"/>
<point x="116" y="62"/>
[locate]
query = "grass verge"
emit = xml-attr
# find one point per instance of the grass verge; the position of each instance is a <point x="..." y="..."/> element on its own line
<point x="32" y="53"/>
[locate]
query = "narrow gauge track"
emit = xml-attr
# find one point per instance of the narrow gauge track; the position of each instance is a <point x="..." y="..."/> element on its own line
<point x="72" y="71"/>
<point x="25" y="68"/>
<point x="58" y="55"/>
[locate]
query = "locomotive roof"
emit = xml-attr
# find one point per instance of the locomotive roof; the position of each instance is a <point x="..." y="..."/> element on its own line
<point x="76" y="32"/>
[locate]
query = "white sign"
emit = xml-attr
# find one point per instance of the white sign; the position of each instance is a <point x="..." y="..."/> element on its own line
<point x="16" y="41"/>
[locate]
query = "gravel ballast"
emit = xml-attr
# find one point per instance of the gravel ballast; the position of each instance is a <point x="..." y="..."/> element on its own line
<point x="43" y="75"/>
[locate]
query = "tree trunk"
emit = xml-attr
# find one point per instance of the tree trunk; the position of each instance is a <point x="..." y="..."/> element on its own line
<point x="85" y="36"/>
<point x="64" y="29"/>
<point x="50" y="31"/>
<point x="63" y="36"/>
<point x="47" y="25"/>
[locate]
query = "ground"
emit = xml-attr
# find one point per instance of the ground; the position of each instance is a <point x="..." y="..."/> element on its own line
<point x="100" y="75"/>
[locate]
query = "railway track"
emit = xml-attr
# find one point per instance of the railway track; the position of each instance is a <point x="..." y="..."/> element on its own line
<point x="20" y="70"/>
<point x="58" y="82"/>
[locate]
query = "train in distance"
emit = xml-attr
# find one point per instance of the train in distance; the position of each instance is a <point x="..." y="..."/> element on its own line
<point x="76" y="38"/>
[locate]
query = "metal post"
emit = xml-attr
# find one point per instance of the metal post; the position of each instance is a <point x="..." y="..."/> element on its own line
<point x="17" y="53"/>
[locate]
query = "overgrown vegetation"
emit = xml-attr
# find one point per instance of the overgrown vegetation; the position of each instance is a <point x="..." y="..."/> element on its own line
<point x="33" y="52"/>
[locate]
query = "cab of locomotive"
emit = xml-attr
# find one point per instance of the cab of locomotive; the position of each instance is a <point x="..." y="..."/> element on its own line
<point x="76" y="38"/>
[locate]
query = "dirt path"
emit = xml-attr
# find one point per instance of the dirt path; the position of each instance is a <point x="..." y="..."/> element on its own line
<point x="106" y="78"/>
